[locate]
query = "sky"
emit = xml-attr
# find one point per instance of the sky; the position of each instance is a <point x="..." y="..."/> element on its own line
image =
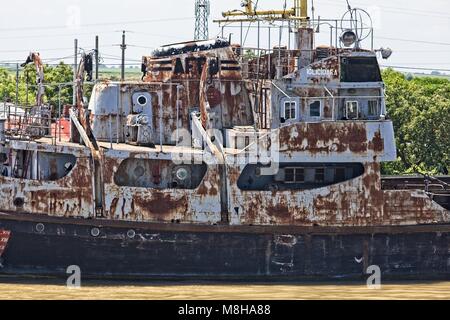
<point x="417" y="31"/>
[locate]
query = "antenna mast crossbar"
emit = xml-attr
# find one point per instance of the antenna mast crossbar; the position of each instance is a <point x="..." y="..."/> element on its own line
<point x="298" y="13"/>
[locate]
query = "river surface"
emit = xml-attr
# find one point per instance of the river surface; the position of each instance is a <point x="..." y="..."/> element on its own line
<point x="12" y="289"/>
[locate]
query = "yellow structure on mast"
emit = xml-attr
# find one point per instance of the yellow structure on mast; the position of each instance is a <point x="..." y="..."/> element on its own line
<point x="299" y="13"/>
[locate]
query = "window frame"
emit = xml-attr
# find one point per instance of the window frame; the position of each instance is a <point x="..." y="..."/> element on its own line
<point x="377" y="110"/>
<point x="290" y="103"/>
<point x="312" y="101"/>
<point x="316" y="174"/>
<point x="295" y="169"/>
<point x="346" y="109"/>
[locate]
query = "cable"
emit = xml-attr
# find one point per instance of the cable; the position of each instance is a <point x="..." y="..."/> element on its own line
<point x="56" y="35"/>
<point x="399" y="10"/>
<point x="415" y="68"/>
<point x="49" y="49"/>
<point x="158" y="35"/>
<point x="98" y="24"/>
<point x="415" y="41"/>
<point x="142" y="47"/>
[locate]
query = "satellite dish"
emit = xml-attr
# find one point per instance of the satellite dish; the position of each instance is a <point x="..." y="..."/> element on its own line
<point x="348" y="38"/>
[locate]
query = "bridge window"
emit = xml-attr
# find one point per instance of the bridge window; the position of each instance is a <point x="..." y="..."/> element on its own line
<point x="315" y="109"/>
<point x="360" y="69"/>
<point x="374" y="109"/>
<point x="352" y="110"/>
<point x="290" y="110"/>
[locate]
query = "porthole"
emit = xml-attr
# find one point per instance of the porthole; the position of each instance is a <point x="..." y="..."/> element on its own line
<point x="40" y="227"/>
<point x="142" y="100"/>
<point x="19" y="202"/>
<point x="131" y="234"/>
<point x="95" y="232"/>
<point x="182" y="174"/>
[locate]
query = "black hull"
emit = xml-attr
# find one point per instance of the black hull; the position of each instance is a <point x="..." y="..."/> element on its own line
<point x="161" y="251"/>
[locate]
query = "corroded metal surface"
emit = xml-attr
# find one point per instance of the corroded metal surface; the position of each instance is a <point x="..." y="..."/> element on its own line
<point x="70" y="196"/>
<point x="149" y="251"/>
<point x="195" y="104"/>
<point x="360" y="202"/>
<point x="201" y="205"/>
<point x="4" y="238"/>
<point x="361" y="140"/>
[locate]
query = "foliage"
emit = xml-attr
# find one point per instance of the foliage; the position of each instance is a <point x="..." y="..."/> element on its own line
<point x="420" y="110"/>
<point x="61" y="73"/>
<point x="250" y="55"/>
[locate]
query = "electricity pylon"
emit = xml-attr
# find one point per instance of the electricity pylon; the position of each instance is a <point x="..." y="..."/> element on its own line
<point x="202" y="10"/>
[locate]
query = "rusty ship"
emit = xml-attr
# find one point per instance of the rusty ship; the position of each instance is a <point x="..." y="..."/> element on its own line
<point x="224" y="162"/>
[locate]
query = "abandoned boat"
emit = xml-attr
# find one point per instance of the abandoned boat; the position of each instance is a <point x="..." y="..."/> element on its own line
<point x="221" y="164"/>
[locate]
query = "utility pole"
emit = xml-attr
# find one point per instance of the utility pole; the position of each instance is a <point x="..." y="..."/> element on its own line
<point x="75" y="67"/>
<point x="202" y="11"/>
<point x="123" y="46"/>
<point x="27" y="89"/>
<point x="96" y="57"/>
<point x="17" y="84"/>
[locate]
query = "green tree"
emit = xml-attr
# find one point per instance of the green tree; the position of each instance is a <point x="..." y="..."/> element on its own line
<point x="7" y="86"/>
<point x="53" y="75"/>
<point x="420" y="109"/>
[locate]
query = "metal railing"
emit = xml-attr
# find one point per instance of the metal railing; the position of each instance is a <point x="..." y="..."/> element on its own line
<point x="29" y="123"/>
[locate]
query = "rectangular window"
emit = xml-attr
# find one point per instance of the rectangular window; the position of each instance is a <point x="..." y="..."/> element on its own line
<point x="289" y="175"/>
<point x="290" y="110"/>
<point x="299" y="175"/>
<point x="294" y="175"/>
<point x="352" y="110"/>
<point x="315" y="109"/>
<point x="373" y="108"/>
<point x="360" y="69"/>
<point x="320" y="175"/>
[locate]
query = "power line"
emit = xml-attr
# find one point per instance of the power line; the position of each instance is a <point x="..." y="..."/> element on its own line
<point x="415" y="68"/>
<point x="27" y="50"/>
<point x="98" y="24"/>
<point x="48" y="49"/>
<point x="142" y="47"/>
<point x="54" y="35"/>
<point x="158" y="35"/>
<point x="415" y="41"/>
<point x="417" y="12"/>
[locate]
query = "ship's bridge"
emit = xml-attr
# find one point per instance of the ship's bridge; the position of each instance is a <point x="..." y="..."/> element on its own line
<point x="344" y="87"/>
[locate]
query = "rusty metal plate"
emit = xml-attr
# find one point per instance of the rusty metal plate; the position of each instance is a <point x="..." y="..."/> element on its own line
<point x="4" y="238"/>
<point x="214" y="96"/>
